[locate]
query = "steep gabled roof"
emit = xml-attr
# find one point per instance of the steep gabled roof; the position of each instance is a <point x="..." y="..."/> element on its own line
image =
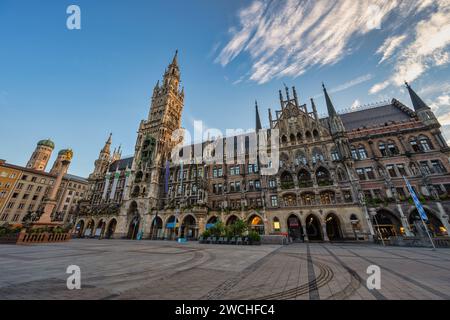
<point x="389" y="112"/>
<point x="121" y="164"/>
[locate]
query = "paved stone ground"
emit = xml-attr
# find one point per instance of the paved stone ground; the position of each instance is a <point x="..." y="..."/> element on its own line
<point x="120" y="269"/>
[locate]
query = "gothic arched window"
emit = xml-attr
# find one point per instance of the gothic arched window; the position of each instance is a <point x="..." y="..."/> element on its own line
<point x="425" y="143"/>
<point x="413" y="142"/>
<point x="392" y="147"/>
<point x="300" y="159"/>
<point x="362" y="153"/>
<point x="354" y="153"/>
<point x="323" y="177"/>
<point x="335" y="155"/>
<point x="382" y="148"/>
<point x="304" y="179"/>
<point x="317" y="156"/>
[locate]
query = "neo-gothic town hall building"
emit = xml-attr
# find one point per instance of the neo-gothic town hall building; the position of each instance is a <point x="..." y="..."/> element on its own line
<point x="339" y="177"/>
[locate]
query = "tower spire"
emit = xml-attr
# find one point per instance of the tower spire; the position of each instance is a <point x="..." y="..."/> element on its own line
<point x="295" y="95"/>
<point x="258" y="120"/>
<point x="107" y="147"/>
<point x="175" y="58"/>
<point x="330" y="107"/>
<point x="417" y="102"/>
<point x="313" y="105"/>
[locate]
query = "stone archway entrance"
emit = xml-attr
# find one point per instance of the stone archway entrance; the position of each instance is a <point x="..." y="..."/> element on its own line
<point x="211" y="222"/>
<point x="333" y="227"/>
<point x="189" y="229"/>
<point x="313" y="228"/>
<point x="134" y="218"/>
<point x="434" y="224"/>
<point x="100" y="229"/>
<point x="89" y="229"/>
<point x="111" y="229"/>
<point x="255" y="223"/>
<point x="172" y="228"/>
<point x="295" y="229"/>
<point x="133" y="228"/>
<point x="386" y="224"/>
<point x="231" y="219"/>
<point x="79" y="229"/>
<point x="156" y="230"/>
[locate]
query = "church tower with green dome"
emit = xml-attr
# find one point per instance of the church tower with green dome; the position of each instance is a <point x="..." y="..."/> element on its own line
<point x="41" y="155"/>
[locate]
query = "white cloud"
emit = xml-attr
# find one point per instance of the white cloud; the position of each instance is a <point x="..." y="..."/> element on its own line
<point x="286" y="38"/>
<point x="441" y="108"/>
<point x="355" y="104"/>
<point x="352" y="83"/>
<point x="379" y="87"/>
<point x="428" y="48"/>
<point x="437" y="87"/>
<point x="389" y="46"/>
<point x="348" y="84"/>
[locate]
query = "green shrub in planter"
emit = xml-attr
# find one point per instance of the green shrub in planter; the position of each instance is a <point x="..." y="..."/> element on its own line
<point x="239" y="227"/>
<point x="206" y="234"/>
<point x="254" y="236"/>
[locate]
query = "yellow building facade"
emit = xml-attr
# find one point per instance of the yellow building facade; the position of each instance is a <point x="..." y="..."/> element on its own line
<point x="8" y="179"/>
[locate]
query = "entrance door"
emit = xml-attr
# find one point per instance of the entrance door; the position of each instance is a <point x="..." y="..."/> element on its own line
<point x="295" y="229"/>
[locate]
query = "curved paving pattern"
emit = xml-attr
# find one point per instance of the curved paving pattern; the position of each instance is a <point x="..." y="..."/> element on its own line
<point x="119" y="269"/>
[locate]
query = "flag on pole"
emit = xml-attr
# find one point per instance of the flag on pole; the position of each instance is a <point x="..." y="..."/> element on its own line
<point x="181" y="176"/>
<point x="114" y="185"/>
<point x="127" y="179"/>
<point x="105" y="189"/>
<point x="419" y="206"/>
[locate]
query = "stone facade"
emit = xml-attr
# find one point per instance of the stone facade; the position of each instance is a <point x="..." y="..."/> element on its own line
<point x="30" y="188"/>
<point x="339" y="177"/>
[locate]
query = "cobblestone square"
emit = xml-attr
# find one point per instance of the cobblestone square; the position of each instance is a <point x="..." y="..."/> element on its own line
<point x="120" y="269"/>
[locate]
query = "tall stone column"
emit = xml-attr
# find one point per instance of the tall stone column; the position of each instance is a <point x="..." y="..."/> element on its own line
<point x="324" y="232"/>
<point x="50" y="202"/>
<point x="305" y="233"/>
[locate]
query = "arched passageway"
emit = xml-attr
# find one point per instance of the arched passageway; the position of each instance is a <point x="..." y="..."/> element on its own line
<point x="333" y="227"/>
<point x="133" y="228"/>
<point x="231" y="219"/>
<point x="79" y="228"/>
<point x="387" y="224"/>
<point x="433" y="224"/>
<point x="89" y="229"/>
<point x="189" y="229"/>
<point x="172" y="228"/>
<point x="313" y="228"/>
<point x="111" y="229"/>
<point x="295" y="229"/>
<point x="101" y="225"/>
<point x="156" y="230"/>
<point x="211" y="222"/>
<point x="255" y="223"/>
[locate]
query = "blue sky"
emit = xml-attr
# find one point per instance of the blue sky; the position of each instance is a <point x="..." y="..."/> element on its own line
<point x="76" y="86"/>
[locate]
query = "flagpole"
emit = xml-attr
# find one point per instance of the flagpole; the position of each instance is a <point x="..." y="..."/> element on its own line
<point x="379" y="231"/>
<point x="428" y="232"/>
<point x="419" y="210"/>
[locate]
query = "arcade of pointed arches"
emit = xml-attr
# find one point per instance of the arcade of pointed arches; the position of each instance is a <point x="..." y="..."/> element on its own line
<point x="312" y="226"/>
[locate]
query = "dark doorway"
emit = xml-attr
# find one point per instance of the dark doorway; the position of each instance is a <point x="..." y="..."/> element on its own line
<point x="295" y="229"/>
<point x="111" y="229"/>
<point x="156" y="229"/>
<point x="133" y="228"/>
<point x="313" y="228"/>
<point x="333" y="227"/>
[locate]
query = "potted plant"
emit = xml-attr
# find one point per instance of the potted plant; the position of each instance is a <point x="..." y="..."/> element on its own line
<point x="254" y="238"/>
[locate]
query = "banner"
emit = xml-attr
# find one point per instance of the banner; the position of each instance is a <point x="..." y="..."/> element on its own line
<point x="105" y="189"/>
<point x="127" y="180"/>
<point x="419" y="206"/>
